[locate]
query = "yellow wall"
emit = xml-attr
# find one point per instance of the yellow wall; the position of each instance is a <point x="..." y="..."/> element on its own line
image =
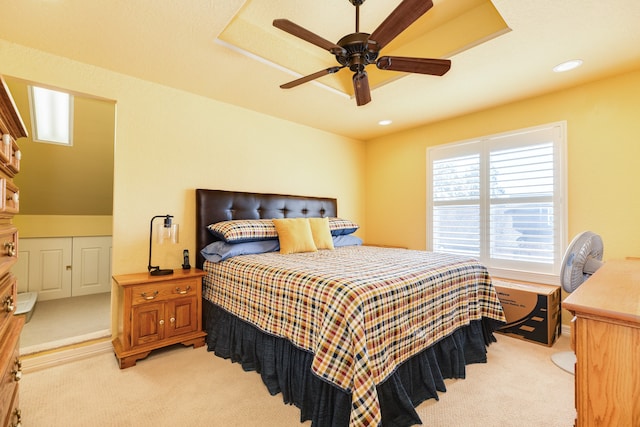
<point x="603" y="137"/>
<point x="63" y="225"/>
<point x="67" y="180"/>
<point x="169" y="142"/>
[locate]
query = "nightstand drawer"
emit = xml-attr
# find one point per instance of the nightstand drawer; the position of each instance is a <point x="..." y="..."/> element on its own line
<point x="163" y="291"/>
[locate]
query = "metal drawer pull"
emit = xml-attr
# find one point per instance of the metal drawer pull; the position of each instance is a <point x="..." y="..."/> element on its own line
<point x="8" y="304"/>
<point x="149" y="297"/>
<point x="182" y="292"/>
<point x="17" y="373"/>
<point x="18" y="414"/>
<point x="10" y="247"/>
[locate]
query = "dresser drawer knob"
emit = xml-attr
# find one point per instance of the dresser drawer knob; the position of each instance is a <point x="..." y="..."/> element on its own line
<point x="183" y="291"/>
<point x="6" y="139"/>
<point x="8" y="304"/>
<point x="10" y="247"/>
<point x="149" y="297"/>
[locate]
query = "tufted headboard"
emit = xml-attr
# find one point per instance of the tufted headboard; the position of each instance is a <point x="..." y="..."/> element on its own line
<point x="219" y="205"/>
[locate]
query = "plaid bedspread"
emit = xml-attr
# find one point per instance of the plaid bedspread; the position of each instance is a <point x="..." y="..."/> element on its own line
<point x="360" y="310"/>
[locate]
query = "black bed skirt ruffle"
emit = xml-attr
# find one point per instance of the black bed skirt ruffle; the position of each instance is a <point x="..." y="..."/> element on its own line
<point x="286" y="369"/>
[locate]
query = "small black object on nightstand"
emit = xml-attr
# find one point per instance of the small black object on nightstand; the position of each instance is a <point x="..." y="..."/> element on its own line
<point x="185" y="256"/>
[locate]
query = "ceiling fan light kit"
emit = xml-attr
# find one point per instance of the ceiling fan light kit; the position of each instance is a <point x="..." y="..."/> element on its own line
<point x="357" y="50"/>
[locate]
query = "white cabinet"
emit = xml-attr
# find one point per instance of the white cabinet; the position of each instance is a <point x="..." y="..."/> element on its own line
<point x="91" y="265"/>
<point x="61" y="267"/>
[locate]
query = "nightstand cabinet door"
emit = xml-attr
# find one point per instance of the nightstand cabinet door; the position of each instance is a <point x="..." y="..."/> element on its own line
<point x="182" y="315"/>
<point x="147" y="323"/>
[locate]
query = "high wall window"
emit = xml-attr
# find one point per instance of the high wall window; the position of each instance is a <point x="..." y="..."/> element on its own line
<point x="51" y="115"/>
<point x="501" y="199"/>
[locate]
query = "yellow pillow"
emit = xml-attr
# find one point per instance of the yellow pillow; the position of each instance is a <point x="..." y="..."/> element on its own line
<point x="321" y="233"/>
<point x="294" y="235"/>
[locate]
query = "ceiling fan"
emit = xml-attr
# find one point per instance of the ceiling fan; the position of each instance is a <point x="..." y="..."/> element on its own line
<point x="357" y="50"/>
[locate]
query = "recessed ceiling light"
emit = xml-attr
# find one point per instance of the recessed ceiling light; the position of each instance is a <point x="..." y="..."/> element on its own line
<point x="384" y="122"/>
<point x="568" y="65"/>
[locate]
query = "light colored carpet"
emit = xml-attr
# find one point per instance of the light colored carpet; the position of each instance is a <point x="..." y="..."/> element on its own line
<point x="181" y="386"/>
<point x="64" y="321"/>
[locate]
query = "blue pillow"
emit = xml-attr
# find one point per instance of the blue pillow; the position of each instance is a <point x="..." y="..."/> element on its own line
<point x="219" y="251"/>
<point x="346" y="240"/>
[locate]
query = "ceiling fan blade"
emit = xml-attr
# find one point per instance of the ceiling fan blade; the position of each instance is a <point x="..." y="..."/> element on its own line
<point x="435" y="67"/>
<point x="310" y="77"/>
<point x="304" y="34"/>
<point x="404" y="15"/>
<point x="361" y="88"/>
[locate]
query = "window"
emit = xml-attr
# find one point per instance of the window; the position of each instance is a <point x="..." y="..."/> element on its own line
<point x="51" y="115"/>
<point x="500" y="199"/>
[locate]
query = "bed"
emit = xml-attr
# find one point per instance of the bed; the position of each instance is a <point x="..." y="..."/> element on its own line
<point x="352" y="335"/>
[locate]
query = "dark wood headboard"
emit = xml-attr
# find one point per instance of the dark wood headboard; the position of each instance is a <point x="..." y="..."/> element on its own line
<point x="220" y="205"/>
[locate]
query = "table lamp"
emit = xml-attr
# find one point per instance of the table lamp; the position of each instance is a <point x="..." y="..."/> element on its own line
<point x="168" y="233"/>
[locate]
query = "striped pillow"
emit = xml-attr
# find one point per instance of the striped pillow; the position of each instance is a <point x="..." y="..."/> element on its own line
<point x="244" y="230"/>
<point x="341" y="227"/>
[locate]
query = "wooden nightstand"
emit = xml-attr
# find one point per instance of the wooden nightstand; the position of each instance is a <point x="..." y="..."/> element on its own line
<point x="157" y="311"/>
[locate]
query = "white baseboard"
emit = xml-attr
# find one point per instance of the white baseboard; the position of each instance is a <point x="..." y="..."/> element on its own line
<point x="566" y="330"/>
<point x="52" y="358"/>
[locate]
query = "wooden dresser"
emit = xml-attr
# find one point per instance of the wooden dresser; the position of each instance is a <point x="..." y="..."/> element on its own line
<point x="12" y="128"/>
<point x="606" y="338"/>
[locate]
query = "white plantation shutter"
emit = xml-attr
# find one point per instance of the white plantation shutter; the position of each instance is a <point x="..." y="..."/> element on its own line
<point x="500" y="199"/>
<point x="456" y="205"/>
<point x="521" y="212"/>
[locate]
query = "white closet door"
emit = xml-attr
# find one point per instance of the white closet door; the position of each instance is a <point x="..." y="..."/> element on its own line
<point x="47" y="265"/>
<point x="21" y="268"/>
<point x="91" y="265"/>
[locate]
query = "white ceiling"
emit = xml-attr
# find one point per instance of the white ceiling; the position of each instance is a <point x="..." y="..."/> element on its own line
<point x="173" y="42"/>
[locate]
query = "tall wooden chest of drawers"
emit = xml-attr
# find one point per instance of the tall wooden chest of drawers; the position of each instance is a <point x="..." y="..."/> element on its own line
<point x="12" y="128"/>
<point x="606" y="338"/>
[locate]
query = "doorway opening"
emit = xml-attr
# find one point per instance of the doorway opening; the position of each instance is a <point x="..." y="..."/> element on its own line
<point x="66" y="191"/>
